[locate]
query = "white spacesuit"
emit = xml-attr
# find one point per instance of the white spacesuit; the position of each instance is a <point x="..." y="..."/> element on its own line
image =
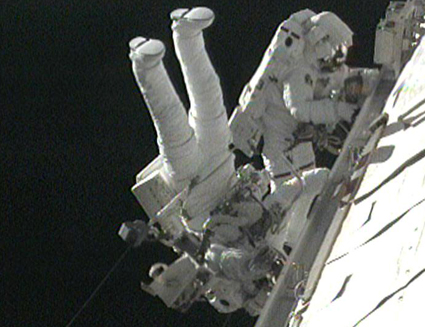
<point x="197" y="202"/>
<point x="300" y="80"/>
<point x="193" y="150"/>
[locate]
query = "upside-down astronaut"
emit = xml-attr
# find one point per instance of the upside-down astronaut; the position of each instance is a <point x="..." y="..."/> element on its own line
<point x="192" y="190"/>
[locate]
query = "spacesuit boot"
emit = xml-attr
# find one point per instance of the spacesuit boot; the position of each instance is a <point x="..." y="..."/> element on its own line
<point x="146" y="53"/>
<point x="190" y="22"/>
<point x="198" y="72"/>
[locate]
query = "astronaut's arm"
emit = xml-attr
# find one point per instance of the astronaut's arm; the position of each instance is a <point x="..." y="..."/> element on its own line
<point x="299" y="99"/>
<point x="325" y="111"/>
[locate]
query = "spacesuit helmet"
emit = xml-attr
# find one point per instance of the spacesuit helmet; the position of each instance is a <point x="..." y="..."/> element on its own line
<point x="329" y="38"/>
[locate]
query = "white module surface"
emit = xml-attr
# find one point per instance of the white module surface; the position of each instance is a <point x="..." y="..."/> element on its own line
<point x="375" y="275"/>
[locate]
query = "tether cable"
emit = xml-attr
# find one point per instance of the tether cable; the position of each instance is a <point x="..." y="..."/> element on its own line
<point x="96" y="290"/>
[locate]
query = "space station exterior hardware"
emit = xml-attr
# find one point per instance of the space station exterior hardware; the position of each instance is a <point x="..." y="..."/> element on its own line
<point x="398" y="33"/>
<point x="236" y="229"/>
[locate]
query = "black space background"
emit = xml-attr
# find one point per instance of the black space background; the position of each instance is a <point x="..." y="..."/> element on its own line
<point x="75" y="132"/>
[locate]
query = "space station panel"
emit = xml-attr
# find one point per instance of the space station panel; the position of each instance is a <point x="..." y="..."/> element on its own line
<point x="374" y="275"/>
<point x="398" y="34"/>
<point x="384" y="45"/>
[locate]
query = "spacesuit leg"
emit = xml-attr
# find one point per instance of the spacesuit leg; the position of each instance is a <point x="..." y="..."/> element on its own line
<point x="176" y="139"/>
<point x="208" y="115"/>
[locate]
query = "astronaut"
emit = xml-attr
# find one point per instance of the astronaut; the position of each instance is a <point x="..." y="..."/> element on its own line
<point x="204" y="207"/>
<point x="322" y="92"/>
<point x="301" y="81"/>
<point x="193" y="148"/>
